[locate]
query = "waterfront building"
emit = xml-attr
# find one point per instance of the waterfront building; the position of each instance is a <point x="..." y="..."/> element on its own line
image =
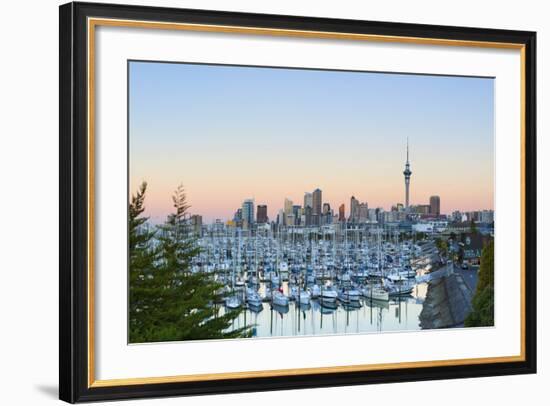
<point x="407" y="173"/>
<point x="261" y="213"/>
<point x="430" y="226"/>
<point x="435" y="205"/>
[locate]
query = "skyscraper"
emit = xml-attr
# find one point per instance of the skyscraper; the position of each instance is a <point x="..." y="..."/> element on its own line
<point x="248" y="211"/>
<point x="326" y="217"/>
<point x="342" y="212"/>
<point x="353" y="210"/>
<point x="363" y="212"/>
<point x="308" y="200"/>
<point x="287" y="210"/>
<point x="288" y="207"/>
<point x="238" y="215"/>
<point x="435" y="205"/>
<point x="196" y="223"/>
<point x="297" y="212"/>
<point x="317" y="202"/>
<point x="308" y="216"/>
<point x="261" y="216"/>
<point x="407" y="172"/>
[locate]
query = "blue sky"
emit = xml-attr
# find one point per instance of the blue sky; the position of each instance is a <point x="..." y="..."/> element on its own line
<point x="228" y="133"/>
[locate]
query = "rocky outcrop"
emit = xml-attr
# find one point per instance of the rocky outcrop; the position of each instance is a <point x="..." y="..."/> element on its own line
<point x="448" y="303"/>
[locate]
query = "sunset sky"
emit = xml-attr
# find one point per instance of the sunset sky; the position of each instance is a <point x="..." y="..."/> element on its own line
<point x="230" y="133"/>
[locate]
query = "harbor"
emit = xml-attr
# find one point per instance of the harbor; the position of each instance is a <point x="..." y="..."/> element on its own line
<point x="320" y="280"/>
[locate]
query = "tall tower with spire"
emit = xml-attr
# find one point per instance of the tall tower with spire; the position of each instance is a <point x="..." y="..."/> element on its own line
<point x="407" y="172"/>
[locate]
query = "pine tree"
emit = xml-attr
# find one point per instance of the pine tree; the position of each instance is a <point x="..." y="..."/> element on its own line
<point x="181" y="304"/>
<point x="142" y="261"/>
<point x="483" y="303"/>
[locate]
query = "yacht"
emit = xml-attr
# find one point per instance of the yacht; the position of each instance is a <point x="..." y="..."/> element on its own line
<point x="233" y="302"/>
<point x="279" y="299"/>
<point x="328" y="295"/>
<point x="253" y="298"/>
<point x="304" y="297"/>
<point x="376" y="293"/>
<point x="314" y="291"/>
<point x="349" y="295"/>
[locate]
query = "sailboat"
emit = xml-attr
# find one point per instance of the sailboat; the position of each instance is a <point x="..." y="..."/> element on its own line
<point x="278" y="298"/>
<point x="376" y="293"/>
<point x="314" y="291"/>
<point x="349" y="295"/>
<point x="253" y="298"/>
<point x="328" y="296"/>
<point x="233" y="302"/>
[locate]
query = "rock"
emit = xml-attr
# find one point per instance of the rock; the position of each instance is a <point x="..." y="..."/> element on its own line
<point x="447" y="304"/>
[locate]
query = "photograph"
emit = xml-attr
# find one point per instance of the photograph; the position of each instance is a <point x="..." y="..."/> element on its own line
<point x="254" y="200"/>
<point x="270" y="202"/>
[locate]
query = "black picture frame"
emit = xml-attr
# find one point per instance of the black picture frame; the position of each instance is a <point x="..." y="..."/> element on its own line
<point x="73" y="256"/>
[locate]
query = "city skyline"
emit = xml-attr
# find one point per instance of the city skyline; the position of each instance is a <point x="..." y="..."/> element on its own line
<point x="268" y="152"/>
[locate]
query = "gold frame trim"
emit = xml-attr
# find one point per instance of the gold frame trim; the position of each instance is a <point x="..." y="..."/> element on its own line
<point x="94" y="22"/>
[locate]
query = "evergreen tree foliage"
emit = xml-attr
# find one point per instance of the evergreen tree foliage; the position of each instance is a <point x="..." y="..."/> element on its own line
<point x="142" y="260"/>
<point x="170" y="302"/>
<point x="483" y="303"/>
<point x="442" y="246"/>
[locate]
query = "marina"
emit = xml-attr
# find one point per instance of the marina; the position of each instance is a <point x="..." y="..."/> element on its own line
<point x="318" y="280"/>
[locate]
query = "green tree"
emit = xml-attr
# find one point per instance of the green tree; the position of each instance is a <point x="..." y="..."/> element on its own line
<point x="483" y="303"/>
<point x="442" y="246"/>
<point x="420" y="236"/>
<point x="142" y="261"/>
<point x="175" y="303"/>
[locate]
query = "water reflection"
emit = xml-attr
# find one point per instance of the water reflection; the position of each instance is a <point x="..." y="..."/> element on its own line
<point x="401" y="313"/>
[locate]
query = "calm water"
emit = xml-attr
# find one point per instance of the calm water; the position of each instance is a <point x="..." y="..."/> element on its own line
<point x="399" y="314"/>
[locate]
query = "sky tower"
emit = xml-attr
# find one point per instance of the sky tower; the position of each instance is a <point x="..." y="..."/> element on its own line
<point x="407" y="172"/>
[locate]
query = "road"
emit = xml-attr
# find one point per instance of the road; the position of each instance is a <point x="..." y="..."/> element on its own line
<point x="469" y="275"/>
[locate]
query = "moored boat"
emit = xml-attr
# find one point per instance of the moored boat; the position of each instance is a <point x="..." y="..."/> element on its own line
<point x="376" y="293"/>
<point x="279" y="299"/>
<point x="233" y="302"/>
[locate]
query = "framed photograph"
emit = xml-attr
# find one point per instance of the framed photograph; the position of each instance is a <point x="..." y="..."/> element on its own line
<point x="256" y="202"/>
